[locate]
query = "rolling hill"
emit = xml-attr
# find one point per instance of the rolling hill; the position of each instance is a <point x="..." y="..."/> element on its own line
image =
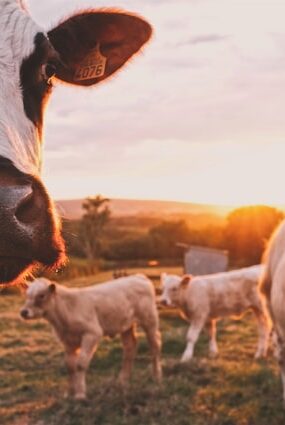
<point x="71" y="209"/>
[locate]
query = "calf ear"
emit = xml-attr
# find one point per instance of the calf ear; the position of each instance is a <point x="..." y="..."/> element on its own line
<point x="185" y="281"/>
<point x="95" y="44"/>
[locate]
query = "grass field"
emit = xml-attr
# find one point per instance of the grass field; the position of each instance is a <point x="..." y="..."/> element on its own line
<point x="231" y="390"/>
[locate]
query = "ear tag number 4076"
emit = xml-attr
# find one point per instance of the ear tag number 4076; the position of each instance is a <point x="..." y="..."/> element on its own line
<point x="92" y="67"/>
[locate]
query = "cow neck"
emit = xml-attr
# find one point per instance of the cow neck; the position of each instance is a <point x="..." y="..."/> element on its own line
<point x="182" y="302"/>
<point x="60" y="309"/>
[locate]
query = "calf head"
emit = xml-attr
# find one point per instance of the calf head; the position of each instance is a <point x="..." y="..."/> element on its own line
<point x="38" y="299"/>
<point x="171" y="288"/>
<point x="83" y="50"/>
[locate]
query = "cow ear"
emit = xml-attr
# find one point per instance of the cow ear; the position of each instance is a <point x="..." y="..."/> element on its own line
<point x="24" y="286"/>
<point x="185" y="281"/>
<point x="52" y="288"/>
<point x="95" y="44"/>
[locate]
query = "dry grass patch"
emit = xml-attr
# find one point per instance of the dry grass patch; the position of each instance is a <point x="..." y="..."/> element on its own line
<point x="233" y="389"/>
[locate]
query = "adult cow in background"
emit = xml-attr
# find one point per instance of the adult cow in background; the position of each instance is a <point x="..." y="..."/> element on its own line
<point x="83" y="50"/>
<point x="272" y="286"/>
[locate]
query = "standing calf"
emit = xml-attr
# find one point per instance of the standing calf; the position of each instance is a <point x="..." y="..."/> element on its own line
<point x="81" y="317"/>
<point x="272" y="286"/>
<point x="204" y="299"/>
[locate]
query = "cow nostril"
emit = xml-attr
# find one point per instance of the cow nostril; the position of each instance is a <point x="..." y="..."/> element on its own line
<point x="26" y="211"/>
<point x="24" y="313"/>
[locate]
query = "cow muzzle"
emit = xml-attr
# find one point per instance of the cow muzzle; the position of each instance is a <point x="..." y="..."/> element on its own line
<point x="29" y="229"/>
<point x="24" y="313"/>
<point x="162" y="302"/>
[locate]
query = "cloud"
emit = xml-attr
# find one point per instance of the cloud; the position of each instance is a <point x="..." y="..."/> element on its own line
<point x="201" y="39"/>
<point x="208" y="78"/>
<point x="178" y="169"/>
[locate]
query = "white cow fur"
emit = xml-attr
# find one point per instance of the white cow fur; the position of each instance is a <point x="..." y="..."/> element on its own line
<point x="273" y="286"/>
<point x="204" y="299"/>
<point x="81" y="317"/>
<point x="19" y="140"/>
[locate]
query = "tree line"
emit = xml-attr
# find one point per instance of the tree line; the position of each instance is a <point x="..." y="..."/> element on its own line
<point x="99" y="236"/>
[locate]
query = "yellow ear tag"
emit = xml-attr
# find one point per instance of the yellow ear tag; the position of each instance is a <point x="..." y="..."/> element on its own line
<point x="93" y="66"/>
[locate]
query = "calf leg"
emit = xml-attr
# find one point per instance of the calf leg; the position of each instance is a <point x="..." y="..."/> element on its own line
<point x="88" y="346"/>
<point x="281" y="361"/>
<point x="263" y="332"/>
<point x="213" y="346"/>
<point x="154" y="340"/>
<point x="192" y="336"/>
<point x="274" y="342"/>
<point x="71" y="358"/>
<point x="129" y="341"/>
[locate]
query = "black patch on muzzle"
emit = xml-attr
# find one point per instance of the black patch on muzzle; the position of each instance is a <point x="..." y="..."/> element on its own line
<point x="29" y="228"/>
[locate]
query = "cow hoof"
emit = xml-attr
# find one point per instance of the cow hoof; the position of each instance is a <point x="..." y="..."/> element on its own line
<point x="158" y="378"/>
<point x="185" y="359"/>
<point x="67" y="395"/>
<point x="259" y="355"/>
<point x="80" y="397"/>
<point x="123" y="382"/>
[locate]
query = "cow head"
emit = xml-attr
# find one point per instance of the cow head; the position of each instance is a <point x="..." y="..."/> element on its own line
<point x="83" y="50"/>
<point x="171" y="288"/>
<point x="39" y="296"/>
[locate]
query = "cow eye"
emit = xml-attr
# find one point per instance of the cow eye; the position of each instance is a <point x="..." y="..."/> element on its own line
<point x="48" y="71"/>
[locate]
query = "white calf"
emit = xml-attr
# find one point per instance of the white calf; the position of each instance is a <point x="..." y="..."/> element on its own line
<point x="204" y="299"/>
<point x="81" y="317"/>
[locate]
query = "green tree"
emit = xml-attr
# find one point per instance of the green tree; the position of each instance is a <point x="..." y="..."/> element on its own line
<point x="247" y="230"/>
<point x="165" y="236"/>
<point x="97" y="215"/>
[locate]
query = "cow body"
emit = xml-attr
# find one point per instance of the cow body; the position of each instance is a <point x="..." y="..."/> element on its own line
<point x="81" y="317"/>
<point x="83" y="50"/>
<point x="205" y="299"/>
<point x="272" y="286"/>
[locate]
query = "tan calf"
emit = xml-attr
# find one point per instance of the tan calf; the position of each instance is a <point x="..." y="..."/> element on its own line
<point x="205" y="299"/>
<point x="81" y="317"/>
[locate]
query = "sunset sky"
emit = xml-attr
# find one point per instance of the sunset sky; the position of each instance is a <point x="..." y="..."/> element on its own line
<point x="199" y="117"/>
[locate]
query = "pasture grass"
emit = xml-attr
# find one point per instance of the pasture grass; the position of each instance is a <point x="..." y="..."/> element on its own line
<point x="232" y="389"/>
